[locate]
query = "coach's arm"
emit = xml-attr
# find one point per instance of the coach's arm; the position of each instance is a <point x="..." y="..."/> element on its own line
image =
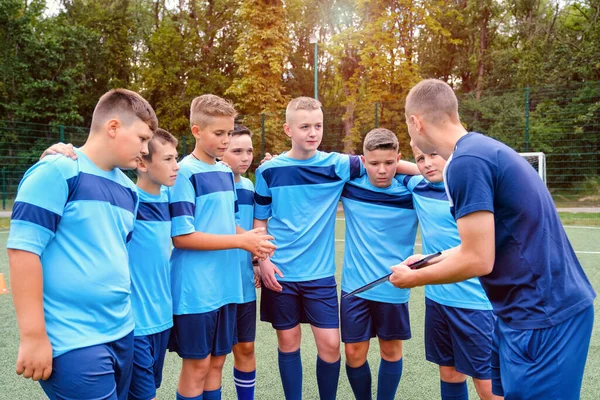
<point x="473" y="257"/>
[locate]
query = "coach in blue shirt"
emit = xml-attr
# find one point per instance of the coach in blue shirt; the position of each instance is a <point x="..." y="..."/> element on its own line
<point x="513" y="239"/>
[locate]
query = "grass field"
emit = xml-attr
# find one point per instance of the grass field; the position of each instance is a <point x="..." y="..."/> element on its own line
<point x="419" y="381"/>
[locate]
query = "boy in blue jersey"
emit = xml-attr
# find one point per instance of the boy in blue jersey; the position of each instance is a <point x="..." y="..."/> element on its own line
<point x="381" y="226"/>
<point x="149" y="253"/>
<point x="239" y="157"/>
<point x="68" y="257"/>
<point x="459" y="322"/>
<point x="512" y="237"/>
<point x="297" y="195"/>
<point x="206" y="277"/>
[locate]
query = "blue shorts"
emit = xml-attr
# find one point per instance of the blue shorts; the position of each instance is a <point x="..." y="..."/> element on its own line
<point x="459" y="338"/>
<point x="314" y="302"/>
<point x="246" y="322"/>
<point x="148" y="360"/>
<point x="100" y="372"/>
<point x="196" y="336"/>
<point x="364" y="319"/>
<point x="543" y="363"/>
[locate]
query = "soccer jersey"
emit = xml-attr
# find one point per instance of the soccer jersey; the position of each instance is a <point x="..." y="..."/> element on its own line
<point x="203" y="199"/>
<point x="381" y="226"/>
<point x="78" y="218"/>
<point x="439" y="232"/>
<point x="300" y="197"/>
<point x="537" y="280"/>
<point x="149" y="253"/>
<point x="245" y="195"/>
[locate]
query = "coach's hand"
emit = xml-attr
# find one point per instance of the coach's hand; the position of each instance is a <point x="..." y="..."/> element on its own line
<point x="257" y="242"/>
<point x="35" y="358"/>
<point x="402" y="276"/>
<point x="267" y="272"/>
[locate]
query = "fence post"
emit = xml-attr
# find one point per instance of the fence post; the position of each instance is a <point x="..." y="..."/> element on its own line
<point x="184" y="147"/>
<point x="262" y="135"/>
<point x="4" y="188"/>
<point x="527" y="119"/>
<point x="61" y="129"/>
<point x="376" y="115"/>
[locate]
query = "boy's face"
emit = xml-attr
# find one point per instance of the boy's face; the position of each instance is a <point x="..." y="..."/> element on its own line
<point x="163" y="167"/>
<point x="430" y="165"/>
<point x="239" y="153"/>
<point x="305" y="128"/>
<point x="130" y="142"/>
<point x="213" y="138"/>
<point x="381" y="166"/>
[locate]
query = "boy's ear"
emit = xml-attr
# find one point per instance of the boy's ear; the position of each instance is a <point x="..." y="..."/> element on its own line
<point x="362" y="159"/>
<point x="286" y="129"/>
<point x="112" y="126"/>
<point x="399" y="156"/>
<point x="142" y="166"/>
<point x="196" y="131"/>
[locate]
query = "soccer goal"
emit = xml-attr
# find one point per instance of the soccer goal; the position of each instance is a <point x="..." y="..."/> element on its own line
<point x="538" y="162"/>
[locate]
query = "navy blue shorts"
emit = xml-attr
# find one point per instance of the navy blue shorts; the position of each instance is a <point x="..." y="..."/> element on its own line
<point x="543" y="363"/>
<point x="459" y="338"/>
<point x="148" y="360"/>
<point x="364" y="319"/>
<point x="96" y="372"/>
<point x="246" y="322"/>
<point x="196" y="336"/>
<point x="314" y="302"/>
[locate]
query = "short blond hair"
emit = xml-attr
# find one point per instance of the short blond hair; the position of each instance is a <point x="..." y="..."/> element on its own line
<point x="432" y="99"/>
<point x="301" y="103"/>
<point x="208" y="105"/>
<point x="129" y="104"/>
<point x="380" y="139"/>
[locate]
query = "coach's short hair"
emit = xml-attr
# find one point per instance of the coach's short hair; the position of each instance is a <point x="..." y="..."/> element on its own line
<point x="208" y="105"/>
<point x="160" y="136"/>
<point x="239" y="129"/>
<point x="380" y="139"/>
<point x="432" y="99"/>
<point x="301" y="103"/>
<point x="126" y="104"/>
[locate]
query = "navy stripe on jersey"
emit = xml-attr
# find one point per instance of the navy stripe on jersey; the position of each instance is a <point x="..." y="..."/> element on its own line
<point x="426" y="190"/>
<point x="383" y="199"/>
<point x="182" y="208"/>
<point x="294" y="175"/>
<point x="129" y="235"/>
<point x="354" y="167"/>
<point x="211" y="182"/>
<point x="93" y="187"/>
<point x="262" y="200"/>
<point x="236" y="208"/>
<point x="245" y="197"/>
<point x="153" y="212"/>
<point x="34" y="214"/>
<point x="406" y="179"/>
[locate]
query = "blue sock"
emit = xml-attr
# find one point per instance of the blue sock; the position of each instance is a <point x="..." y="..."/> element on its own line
<point x="328" y="376"/>
<point x="290" y="369"/>
<point x="390" y="373"/>
<point x="454" y="391"/>
<point x="212" y="394"/>
<point x="360" y="381"/>
<point x="244" y="384"/>
<point x="180" y="397"/>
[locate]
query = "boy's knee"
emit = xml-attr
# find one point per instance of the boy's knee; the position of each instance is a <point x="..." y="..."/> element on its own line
<point x="451" y="375"/>
<point x="217" y="362"/>
<point x="195" y="368"/>
<point x="390" y="350"/>
<point x="289" y="340"/>
<point x="356" y="354"/>
<point x="244" y="350"/>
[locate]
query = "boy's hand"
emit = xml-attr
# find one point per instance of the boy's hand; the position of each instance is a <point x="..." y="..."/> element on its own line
<point x="257" y="278"/>
<point x="60" y="148"/>
<point x="35" y="358"/>
<point x="402" y="275"/>
<point x="267" y="272"/>
<point x="257" y="242"/>
<point x="268" y="157"/>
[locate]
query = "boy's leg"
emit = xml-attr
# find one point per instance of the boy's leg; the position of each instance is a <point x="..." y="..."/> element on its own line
<point x="214" y="378"/>
<point x="540" y="363"/>
<point x="283" y="310"/>
<point x="244" y="358"/>
<point x="321" y="308"/>
<point x="142" y="385"/>
<point x="357" y="330"/>
<point x="392" y="325"/>
<point x="102" y="371"/>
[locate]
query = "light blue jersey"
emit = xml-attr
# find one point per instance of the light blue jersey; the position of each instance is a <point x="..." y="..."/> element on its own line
<point x="381" y="227"/>
<point x="439" y="232"/>
<point x="149" y="253"/>
<point x="78" y="218"/>
<point x="300" y="197"/>
<point x="204" y="200"/>
<point x="245" y="195"/>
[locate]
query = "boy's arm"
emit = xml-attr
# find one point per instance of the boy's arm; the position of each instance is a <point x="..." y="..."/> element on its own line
<point x="267" y="268"/>
<point x="35" y="351"/>
<point x="60" y="148"/>
<point x="254" y="241"/>
<point x="407" y="168"/>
